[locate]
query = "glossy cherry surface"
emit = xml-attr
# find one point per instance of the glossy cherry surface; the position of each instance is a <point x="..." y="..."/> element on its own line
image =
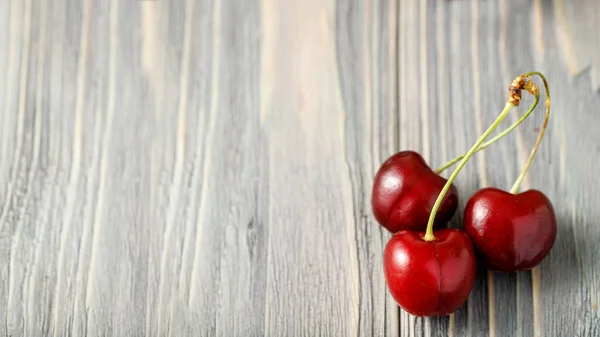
<point x="510" y="231"/>
<point x="404" y="192"/>
<point x="430" y="278"/>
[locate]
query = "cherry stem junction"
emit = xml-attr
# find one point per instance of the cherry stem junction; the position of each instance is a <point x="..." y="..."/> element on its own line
<point x="495" y="139"/>
<point x="509" y="105"/>
<point x="535" y="92"/>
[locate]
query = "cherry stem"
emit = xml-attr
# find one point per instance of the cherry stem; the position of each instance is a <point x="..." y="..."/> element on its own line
<point x="493" y="140"/>
<point x="429" y="233"/>
<point x="517" y="184"/>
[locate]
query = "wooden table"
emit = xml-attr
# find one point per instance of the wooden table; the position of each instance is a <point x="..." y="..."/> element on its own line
<point x="204" y="167"/>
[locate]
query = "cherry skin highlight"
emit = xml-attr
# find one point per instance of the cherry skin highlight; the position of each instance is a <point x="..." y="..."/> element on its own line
<point x="404" y="192"/>
<point x="430" y="278"/>
<point x="510" y="232"/>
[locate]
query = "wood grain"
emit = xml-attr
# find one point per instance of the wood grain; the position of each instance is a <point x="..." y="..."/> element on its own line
<point x="204" y="167"/>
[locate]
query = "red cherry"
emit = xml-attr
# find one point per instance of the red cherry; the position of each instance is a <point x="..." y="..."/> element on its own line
<point x="404" y="192"/>
<point x="510" y="231"/>
<point x="430" y="278"/>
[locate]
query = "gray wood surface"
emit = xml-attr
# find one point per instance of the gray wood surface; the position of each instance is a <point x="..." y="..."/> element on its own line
<point x="204" y="167"/>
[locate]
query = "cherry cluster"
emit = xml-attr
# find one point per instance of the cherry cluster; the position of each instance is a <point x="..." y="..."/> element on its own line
<point x="430" y="269"/>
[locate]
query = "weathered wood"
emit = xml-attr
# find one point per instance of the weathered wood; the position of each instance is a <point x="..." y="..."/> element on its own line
<point x="366" y="42"/>
<point x="204" y="167"/>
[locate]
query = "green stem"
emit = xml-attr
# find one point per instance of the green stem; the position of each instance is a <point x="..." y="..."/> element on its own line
<point x="517" y="184"/>
<point x="429" y="233"/>
<point x="493" y="140"/>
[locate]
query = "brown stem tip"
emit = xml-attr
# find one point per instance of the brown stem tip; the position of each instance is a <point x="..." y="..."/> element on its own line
<point x="515" y="90"/>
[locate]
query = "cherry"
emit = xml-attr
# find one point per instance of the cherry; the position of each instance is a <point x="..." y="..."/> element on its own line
<point x="510" y="231"/>
<point x="513" y="231"/>
<point x="404" y="192"/>
<point x="430" y="278"/>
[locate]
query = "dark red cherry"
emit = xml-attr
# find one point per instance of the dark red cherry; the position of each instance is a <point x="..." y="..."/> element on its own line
<point x="430" y="278"/>
<point x="510" y="231"/>
<point x="404" y="192"/>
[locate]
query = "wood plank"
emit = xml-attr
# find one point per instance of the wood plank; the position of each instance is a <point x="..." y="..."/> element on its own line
<point x="229" y="272"/>
<point x="366" y="42"/>
<point x="16" y="220"/>
<point x="312" y="271"/>
<point x="569" y="271"/>
<point x="66" y="88"/>
<point x="112" y="266"/>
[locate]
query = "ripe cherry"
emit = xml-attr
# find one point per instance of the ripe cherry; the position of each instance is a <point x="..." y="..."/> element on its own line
<point x="430" y="278"/>
<point x="404" y="192"/>
<point x="510" y="231"/>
